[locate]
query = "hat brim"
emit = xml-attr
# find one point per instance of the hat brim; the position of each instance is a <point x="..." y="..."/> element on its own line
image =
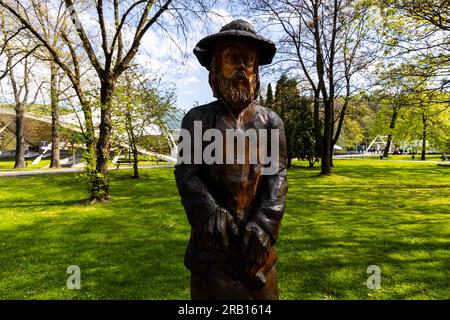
<point x="203" y="49"/>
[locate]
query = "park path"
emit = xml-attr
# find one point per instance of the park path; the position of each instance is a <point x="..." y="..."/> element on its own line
<point x="69" y="170"/>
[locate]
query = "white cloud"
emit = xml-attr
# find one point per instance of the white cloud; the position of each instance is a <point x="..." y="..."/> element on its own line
<point x="167" y="54"/>
<point x="191" y="80"/>
<point x="170" y="55"/>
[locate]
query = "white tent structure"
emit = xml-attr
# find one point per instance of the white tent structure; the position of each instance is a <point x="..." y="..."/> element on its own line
<point x="379" y="143"/>
<point x="169" y="128"/>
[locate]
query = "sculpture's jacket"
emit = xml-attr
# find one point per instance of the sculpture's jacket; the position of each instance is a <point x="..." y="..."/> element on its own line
<point x="239" y="188"/>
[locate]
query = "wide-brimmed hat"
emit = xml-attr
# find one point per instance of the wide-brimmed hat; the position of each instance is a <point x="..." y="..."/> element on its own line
<point x="235" y="30"/>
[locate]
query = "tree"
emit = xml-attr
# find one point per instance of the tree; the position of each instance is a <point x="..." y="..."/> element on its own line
<point x="296" y="113"/>
<point x="397" y="88"/>
<point x="322" y="41"/>
<point x="109" y="57"/>
<point x="352" y="134"/>
<point x="18" y="50"/>
<point x="411" y="106"/>
<point x="420" y="30"/>
<point x="356" y="130"/>
<point x="395" y="107"/>
<point x="303" y="132"/>
<point x="440" y="127"/>
<point x="52" y="23"/>
<point x="435" y="12"/>
<point x="54" y="102"/>
<point x="137" y="105"/>
<point x="69" y="59"/>
<point x="21" y="89"/>
<point x="269" y="96"/>
<point x="425" y="117"/>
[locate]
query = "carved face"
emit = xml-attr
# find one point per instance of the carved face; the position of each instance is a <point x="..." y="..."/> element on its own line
<point x="237" y="61"/>
<point x="234" y="74"/>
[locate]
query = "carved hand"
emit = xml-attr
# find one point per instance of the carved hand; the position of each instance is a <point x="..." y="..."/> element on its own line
<point x="218" y="226"/>
<point x="256" y="245"/>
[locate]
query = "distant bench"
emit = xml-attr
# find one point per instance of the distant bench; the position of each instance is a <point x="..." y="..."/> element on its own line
<point x="127" y="161"/>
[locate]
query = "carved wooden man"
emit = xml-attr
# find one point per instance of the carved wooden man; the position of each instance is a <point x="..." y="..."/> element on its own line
<point x="234" y="209"/>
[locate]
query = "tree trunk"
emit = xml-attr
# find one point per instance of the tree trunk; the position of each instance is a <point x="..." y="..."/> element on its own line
<point x="289" y="161"/>
<point x="132" y="143"/>
<point x="311" y="161"/>
<point x="20" y="116"/>
<point x="325" y="158"/>
<point x="331" y="154"/>
<point x="89" y="131"/>
<point x="388" y="146"/>
<point x="391" y="126"/>
<point x="89" y="156"/>
<point x="327" y="137"/>
<point x="317" y="127"/>
<point x="340" y="123"/>
<point x="331" y="137"/>
<point x="101" y="184"/>
<point x="20" y="139"/>
<point x="424" y="138"/>
<point x="55" y="159"/>
<point x="135" y="162"/>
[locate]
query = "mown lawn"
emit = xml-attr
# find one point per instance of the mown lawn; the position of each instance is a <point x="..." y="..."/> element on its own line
<point x="395" y="215"/>
<point x="408" y="157"/>
<point x="8" y="164"/>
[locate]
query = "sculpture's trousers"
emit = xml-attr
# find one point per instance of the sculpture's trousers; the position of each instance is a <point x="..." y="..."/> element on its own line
<point x="217" y="285"/>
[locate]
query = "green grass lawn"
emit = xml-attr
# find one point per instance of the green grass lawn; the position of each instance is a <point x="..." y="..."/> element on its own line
<point x="141" y="163"/>
<point x="8" y="164"/>
<point x="395" y="215"/>
<point x="428" y="157"/>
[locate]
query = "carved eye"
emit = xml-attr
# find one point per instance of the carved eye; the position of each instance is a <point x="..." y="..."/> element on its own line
<point x="230" y="57"/>
<point x="248" y="57"/>
<point x="235" y="56"/>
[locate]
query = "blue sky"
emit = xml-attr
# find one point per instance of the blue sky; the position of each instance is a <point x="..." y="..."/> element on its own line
<point x="163" y="54"/>
<point x="180" y="67"/>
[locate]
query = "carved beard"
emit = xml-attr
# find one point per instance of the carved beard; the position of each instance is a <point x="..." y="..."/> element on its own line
<point x="238" y="95"/>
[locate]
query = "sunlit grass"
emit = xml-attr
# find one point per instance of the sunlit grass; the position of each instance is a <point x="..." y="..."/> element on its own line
<point x="140" y="163"/>
<point x="409" y="157"/>
<point x="392" y="214"/>
<point x="6" y="165"/>
<point x="9" y="164"/>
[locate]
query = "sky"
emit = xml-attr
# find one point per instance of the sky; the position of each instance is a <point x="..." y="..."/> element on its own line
<point x="180" y="67"/>
<point x="167" y="55"/>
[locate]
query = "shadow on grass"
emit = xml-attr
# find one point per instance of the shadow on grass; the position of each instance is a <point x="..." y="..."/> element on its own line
<point x="41" y="203"/>
<point x="133" y="246"/>
<point x="335" y="268"/>
<point x="129" y="248"/>
<point x="116" y="260"/>
<point x="364" y="214"/>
